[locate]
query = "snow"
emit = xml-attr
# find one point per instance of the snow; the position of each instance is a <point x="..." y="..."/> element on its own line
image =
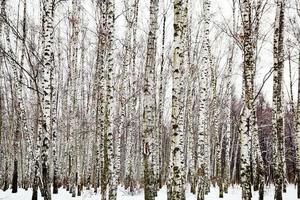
<point x="234" y="193"/>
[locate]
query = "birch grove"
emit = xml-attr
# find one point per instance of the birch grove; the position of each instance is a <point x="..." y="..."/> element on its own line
<point x="155" y="99"/>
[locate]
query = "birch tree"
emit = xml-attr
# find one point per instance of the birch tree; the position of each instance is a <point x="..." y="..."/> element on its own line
<point x="248" y="66"/>
<point x="149" y="106"/>
<point x="2" y="153"/>
<point x="48" y="14"/>
<point x="298" y="132"/>
<point x="100" y="157"/>
<point x="202" y="168"/>
<point x="228" y="129"/>
<point x="113" y="179"/>
<point x="177" y="138"/>
<point x="277" y="112"/>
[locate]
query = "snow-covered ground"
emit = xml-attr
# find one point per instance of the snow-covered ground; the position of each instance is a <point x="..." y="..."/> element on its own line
<point x="233" y="194"/>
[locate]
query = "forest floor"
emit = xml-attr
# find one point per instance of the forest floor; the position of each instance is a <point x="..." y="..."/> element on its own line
<point x="233" y="194"/>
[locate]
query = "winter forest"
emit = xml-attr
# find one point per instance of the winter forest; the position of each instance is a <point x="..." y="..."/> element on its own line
<point x="149" y="99"/>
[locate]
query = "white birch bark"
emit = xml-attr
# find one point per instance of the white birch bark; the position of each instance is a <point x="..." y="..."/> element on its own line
<point x="113" y="179"/>
<point x="134" y="85"/>
<point x="26" y="132"/>
<point x="228" y="96"/>
<point x="73" y="67"/>
<point x="125" y="88"/>
<point x="48" y="14"/>
<point x="101" y="153"/>
<point x="202" y="167"/>
<point x="248" y="64"/>
<point x="2" y="153"/>
<point x="177" y="138"/>
<point x="297" y="134"/>
<point x="277" y="110"/>
<point x="161" y="102"/>
<point x="149" y="106"/>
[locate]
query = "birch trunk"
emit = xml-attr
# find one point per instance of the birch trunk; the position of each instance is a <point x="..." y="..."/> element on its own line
<point x="73" y="68"/>
<point x="177" y="138"/>
<point x="101" y="152"/>
<point x="54" y="102"/>
<point x="277" y="112"/>
<point x="202" y="168"/>
<point x="297" y="135"/>
<point x="228" y="130"/>
<point x="245" y="129"/>
<point x="113" y="179"/>
<point x="125" y="89"/>
<point x="161" y="103"/>
<point x="48" y="14"/>
<point x="149" y="107"/>
<point x="26" y="132"/>
<point x="2" y="153"/>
